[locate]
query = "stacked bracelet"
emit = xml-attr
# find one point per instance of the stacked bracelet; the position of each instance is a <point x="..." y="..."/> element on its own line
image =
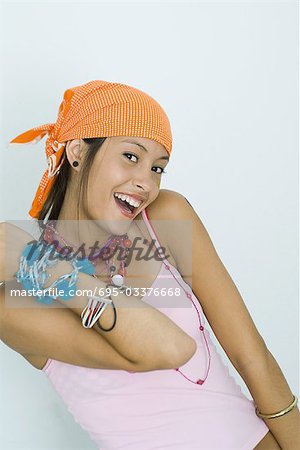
<point x="32" y="273"/>
<point x="96" y="307"/>
<point x="279" y="413"/>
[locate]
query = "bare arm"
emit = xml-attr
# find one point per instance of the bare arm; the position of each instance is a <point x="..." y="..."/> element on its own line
<point x="142" y="335"/>
<point x="271" y="393"/>
<point x="230" y="320"/>
<point x="57" y="333"/>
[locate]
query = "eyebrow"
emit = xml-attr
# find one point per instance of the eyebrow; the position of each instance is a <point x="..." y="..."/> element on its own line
<point x="144" y="148"/>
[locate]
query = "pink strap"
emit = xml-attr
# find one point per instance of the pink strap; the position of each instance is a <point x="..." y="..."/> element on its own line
<point x="150" y="228"/>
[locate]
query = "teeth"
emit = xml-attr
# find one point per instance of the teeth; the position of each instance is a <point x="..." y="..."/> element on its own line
<point x="128" y="199"/>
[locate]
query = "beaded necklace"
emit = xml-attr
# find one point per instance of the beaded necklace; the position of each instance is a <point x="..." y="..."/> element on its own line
<point x="114" y="242"/>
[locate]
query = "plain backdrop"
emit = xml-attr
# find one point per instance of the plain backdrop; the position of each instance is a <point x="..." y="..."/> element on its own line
<point x="226" y="73"/>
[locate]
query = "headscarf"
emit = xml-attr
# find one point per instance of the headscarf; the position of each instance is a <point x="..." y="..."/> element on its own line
<point x="96" y="109"/>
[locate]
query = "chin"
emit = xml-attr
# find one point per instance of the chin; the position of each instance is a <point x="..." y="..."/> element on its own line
<point x="111" y="226"/>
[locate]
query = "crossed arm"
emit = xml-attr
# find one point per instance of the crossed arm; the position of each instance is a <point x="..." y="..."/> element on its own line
<point x="143" y="339"/>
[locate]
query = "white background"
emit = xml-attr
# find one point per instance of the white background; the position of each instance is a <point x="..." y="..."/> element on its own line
<point x="227" y="75"/>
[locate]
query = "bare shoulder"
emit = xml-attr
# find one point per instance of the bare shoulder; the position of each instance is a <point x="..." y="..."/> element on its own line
<point x="183" y="218"/>
<point x="162" y="213"/>
<point x="172" y="217"/>
<point x="167" y="205"/>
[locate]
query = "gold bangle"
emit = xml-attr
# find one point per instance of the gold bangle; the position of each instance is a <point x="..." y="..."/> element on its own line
<point x="279" y="413"/>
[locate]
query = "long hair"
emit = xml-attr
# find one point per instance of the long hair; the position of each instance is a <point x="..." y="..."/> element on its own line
<point x="54" y="202"/>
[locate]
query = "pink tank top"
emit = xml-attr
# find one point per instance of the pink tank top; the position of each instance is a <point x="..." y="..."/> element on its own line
<point x="198" y="406"/>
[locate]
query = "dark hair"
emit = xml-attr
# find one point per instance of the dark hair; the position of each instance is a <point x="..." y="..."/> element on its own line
<point x="57" y="192"/>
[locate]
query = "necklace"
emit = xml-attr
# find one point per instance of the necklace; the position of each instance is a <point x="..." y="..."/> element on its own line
<point x="110" y="247"/>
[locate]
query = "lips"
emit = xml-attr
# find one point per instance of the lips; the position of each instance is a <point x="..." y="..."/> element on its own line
<point x="125" y="209"/>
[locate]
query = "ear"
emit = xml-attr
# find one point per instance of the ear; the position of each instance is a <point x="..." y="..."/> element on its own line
<point x="74" y="152"/>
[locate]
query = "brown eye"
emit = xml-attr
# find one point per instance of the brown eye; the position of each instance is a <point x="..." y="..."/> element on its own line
<point x="156" y="167"/>
<point x="130" y="154"/>
<point x="162" y="170"/>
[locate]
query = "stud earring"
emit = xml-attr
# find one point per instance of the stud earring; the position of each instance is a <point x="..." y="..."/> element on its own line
<point x="75" y="163"/>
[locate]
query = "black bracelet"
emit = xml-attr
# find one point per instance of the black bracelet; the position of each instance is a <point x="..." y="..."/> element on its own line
<point x="115" y="318"/>
<point x="115" y="312"/>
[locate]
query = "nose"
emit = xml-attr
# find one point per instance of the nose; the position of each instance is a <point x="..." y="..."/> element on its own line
<point x="144" y="180"/>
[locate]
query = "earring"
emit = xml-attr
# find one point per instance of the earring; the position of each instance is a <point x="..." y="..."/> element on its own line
<point x="75" y="163"/>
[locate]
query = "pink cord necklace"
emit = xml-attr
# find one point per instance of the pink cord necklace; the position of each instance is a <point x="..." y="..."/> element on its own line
<point x="167" y="265"/>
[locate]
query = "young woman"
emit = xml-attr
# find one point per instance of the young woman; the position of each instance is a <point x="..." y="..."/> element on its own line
<point x="154" y="379"/>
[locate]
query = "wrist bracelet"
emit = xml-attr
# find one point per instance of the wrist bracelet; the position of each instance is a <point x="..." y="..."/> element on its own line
<point x="114" y="322"/>
<point x="279" y="413"/>
<point x="32" y="273"/>
<point x="93" y="311"/>
<point x="95" y="308"/>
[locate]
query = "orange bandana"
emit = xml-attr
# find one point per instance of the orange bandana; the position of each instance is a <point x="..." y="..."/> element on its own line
<point x="96" y="109"/>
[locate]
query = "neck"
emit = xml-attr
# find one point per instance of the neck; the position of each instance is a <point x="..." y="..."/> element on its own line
<point x="86" y="232"/>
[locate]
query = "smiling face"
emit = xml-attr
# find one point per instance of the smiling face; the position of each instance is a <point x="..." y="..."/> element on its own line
<point x="128" y="166"/>
<point x="124" y="178"/>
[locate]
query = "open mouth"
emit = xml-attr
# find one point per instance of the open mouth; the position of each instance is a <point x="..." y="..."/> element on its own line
<point x="125" y="207"/>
